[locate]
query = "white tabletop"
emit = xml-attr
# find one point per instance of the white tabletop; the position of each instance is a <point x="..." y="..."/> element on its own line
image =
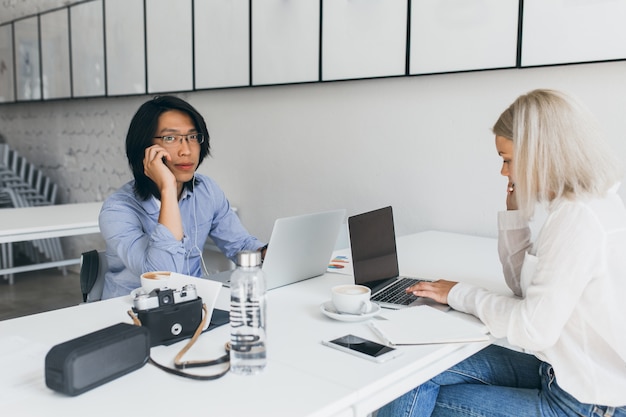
<point x="303" y="377"/>
<point x="40" y="222"/>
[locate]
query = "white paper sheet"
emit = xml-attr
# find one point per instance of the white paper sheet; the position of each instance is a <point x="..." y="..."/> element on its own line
<point x="421" y="325"/>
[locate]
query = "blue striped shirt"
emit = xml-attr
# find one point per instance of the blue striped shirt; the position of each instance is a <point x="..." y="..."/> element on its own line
<point x="137" y="243"/>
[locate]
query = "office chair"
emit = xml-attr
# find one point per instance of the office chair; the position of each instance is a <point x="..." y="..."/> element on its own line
<point x="93" y="266"/>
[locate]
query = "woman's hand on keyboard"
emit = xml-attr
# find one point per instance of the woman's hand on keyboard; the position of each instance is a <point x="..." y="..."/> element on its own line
<point x="437" y="290"/>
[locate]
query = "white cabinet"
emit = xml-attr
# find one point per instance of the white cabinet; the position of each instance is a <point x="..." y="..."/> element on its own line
<point x="7" y="82"/>
<point x="162" y="46"/>
<point x="221" y="43"/>
<point x="55" y="55"/>
<point x="87" y="46"/>
<point x="462" y="35"/>
<point x="125" y="47"/>
<point x="285" y="41"/>
<point x="363" y="38"/>
<point x="169" y="41"/>
<point x="26" y="47"/>
<point x="563" y="32"/>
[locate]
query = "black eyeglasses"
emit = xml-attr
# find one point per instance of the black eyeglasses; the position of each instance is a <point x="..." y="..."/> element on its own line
<point x="171" y="140"/>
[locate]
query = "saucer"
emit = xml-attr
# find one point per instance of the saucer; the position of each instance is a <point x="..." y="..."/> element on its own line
<point x="328" y="309"/>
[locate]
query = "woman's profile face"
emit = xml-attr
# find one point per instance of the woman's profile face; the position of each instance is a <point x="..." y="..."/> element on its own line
<point x="504" y="147"/>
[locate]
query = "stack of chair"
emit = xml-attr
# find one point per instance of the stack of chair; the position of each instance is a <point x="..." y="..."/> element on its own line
<point x="23" y="185"/>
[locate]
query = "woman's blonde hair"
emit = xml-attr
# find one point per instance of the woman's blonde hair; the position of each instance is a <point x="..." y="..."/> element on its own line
<point x="558" y="150"/>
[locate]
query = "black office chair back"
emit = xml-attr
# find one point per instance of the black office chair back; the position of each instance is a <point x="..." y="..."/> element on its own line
<point x="93" y="266"/>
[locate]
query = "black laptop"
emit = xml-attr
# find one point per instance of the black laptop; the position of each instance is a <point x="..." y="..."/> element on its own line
<point x="375" y="260"/>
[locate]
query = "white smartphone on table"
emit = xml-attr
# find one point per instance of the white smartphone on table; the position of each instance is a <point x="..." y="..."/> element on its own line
<point x="363" y="348"/>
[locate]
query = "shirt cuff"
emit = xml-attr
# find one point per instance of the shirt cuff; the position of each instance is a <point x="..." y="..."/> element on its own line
<point x="459" y="298"/>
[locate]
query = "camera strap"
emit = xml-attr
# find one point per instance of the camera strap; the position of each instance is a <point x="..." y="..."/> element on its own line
<point x="179" y="364"/>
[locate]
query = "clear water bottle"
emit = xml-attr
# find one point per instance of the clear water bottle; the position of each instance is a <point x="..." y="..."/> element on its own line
<point x="247" y="315"/>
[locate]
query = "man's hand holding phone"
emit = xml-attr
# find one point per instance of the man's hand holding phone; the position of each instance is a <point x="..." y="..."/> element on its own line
<point x="155" y="168"/>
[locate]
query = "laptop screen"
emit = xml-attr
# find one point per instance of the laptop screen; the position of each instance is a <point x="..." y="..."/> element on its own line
<point x="301" y="246"/>
<point x="373" y="245"/>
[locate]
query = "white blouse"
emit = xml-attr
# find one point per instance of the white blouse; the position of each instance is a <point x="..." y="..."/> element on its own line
<point x="570" y="303"/>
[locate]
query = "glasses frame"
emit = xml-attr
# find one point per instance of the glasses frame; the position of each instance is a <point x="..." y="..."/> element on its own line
<point x="178" y="139"/>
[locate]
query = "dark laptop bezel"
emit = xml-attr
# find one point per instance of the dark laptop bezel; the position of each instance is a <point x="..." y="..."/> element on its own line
<point x="369" y="274"/>
<point x="375" y="263"/>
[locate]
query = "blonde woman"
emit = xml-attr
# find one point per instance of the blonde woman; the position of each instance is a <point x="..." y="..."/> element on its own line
<point x="568" y="308"/>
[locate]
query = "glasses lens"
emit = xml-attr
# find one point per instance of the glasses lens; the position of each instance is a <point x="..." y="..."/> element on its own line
<point x="168" y="140"/>
<point x="197" y="137"/>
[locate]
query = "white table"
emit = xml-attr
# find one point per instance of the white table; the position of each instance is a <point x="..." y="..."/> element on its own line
<point x="303" y="377"/>
<point x="42" y="222"/>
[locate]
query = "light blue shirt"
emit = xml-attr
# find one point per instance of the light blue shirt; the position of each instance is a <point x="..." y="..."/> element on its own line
<point x="137" y="243"/>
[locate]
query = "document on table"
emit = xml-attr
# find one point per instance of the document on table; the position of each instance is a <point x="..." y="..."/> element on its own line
<point x="340" y="264"/>
<point x="422" y="325"/>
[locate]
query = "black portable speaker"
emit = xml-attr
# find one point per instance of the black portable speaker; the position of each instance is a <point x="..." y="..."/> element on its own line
<point x="89" y="361"/>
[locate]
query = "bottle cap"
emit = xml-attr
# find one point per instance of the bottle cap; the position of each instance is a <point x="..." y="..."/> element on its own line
<point x="249" y="258"/>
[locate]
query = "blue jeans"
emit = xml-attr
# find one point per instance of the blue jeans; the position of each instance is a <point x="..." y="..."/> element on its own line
<point x="494" y="382"/>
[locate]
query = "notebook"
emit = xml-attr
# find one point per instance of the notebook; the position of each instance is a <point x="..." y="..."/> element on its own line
<point x="300" y="247"/>
<point x="425" y="325"/>
<point x="375" y="260"/>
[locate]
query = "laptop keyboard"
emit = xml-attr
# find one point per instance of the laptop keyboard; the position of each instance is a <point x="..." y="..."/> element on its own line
<point x="396" y="294"/>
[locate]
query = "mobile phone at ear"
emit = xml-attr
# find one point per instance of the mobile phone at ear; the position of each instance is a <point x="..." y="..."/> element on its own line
<point x="363" y="348"/>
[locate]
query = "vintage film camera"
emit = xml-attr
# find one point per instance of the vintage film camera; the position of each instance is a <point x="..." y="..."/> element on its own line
<point x="169" y="315"/>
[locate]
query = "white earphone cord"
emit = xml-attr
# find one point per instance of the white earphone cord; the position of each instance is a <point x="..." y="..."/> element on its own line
<point x="195" y="238"/>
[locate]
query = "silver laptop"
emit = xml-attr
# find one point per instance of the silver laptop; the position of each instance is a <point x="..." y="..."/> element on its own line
<point x="375" y="260"/>
<point x="300" y="247"/>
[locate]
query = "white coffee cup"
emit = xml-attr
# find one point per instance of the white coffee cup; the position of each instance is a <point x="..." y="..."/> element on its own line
<point x="351" y="299"/>
<point x="154" y="279"/>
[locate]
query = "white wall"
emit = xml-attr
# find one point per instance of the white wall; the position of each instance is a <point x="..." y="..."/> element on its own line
<point x="422" y="144"/>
